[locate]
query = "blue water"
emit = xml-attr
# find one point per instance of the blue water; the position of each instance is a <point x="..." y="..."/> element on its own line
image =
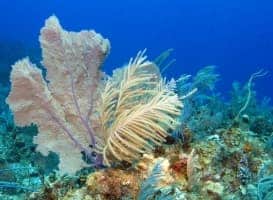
<point x="235" y="35"/>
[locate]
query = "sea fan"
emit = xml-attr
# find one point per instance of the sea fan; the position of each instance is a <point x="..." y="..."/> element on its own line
<point x="137" y="111"/>
<point x="60" y="103"/>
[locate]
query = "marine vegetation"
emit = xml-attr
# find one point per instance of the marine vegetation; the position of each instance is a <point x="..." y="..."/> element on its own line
<point x="132" y="135"/>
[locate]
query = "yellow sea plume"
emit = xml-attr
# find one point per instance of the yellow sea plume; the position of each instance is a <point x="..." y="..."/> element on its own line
<point x="137" y="111"/>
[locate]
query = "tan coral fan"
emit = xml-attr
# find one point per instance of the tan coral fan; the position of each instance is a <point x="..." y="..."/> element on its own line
<point x="59" y="106"/>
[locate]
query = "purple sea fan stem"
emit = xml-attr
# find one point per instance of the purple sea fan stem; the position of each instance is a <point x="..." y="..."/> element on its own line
<point x="66" y="130"/>
<point x="90" y="100"/>
<point x="84" y="122"/>
<point x="70" y="135"/>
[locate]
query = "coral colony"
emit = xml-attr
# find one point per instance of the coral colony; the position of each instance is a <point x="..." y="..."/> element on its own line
<point x="132" y="135"/>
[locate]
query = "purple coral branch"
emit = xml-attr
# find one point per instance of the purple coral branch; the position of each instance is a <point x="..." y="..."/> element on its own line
<point x="97" y="161"/>
<point x="66" y="130"/>
<point x="90" y="100"/>
<point x="83" y="120"/>
<point x="95" y="82"/>
<point x="69" y="133"/>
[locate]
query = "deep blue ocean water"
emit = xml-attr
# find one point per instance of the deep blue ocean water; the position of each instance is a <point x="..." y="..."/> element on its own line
<point x="235" y="35"/>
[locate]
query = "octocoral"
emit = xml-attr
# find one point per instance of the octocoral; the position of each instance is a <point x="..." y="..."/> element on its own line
<point x="79" y="110"/>
<point x="60" y="105"/>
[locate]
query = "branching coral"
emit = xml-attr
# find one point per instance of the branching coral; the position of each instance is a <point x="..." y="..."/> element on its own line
<point x="78" y="110"/>
<point x="255" y="75"/>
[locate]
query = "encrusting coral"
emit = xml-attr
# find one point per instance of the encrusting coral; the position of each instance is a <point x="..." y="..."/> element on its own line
<point x="80" y="111"/>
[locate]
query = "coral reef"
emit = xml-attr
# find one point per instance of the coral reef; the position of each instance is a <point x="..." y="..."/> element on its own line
<point x="128" y="136"/>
